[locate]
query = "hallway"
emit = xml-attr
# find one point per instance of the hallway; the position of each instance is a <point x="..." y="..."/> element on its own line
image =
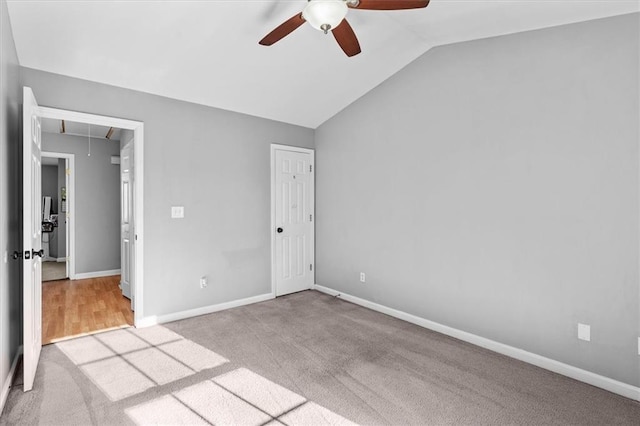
<point x="72" y="308"/>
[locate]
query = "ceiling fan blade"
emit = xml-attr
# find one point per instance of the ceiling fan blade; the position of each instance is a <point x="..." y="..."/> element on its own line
<point x="346" y="38"/>
<point x="283" y="30"/>
<point x="390" y="4"/>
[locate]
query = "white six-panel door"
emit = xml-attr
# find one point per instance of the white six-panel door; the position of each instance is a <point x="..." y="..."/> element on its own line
<point x="32" y="237"/>
<point x="126" y="219"/>
<point x="293" y="219"/>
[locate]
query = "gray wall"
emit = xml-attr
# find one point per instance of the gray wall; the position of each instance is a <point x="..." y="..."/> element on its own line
<point x="50" y="185"/>
<point x="97" y="193"/>
<point x="492" y="186"/>
<point x="216" y="164"/>
<point x="10" y="197"/>
<point x="62" y="216"/>
<point x="50" y="189"/>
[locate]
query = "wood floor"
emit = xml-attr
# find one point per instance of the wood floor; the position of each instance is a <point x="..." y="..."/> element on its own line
<point x="71" y="308"/>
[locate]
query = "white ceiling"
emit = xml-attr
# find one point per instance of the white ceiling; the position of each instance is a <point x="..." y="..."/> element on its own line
<point x="49" y="161"/>
<point x="50" y="125"/>
<point x="207" y="52"/>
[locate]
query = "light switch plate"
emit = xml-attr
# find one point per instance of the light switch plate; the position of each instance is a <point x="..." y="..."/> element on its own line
<point x="584" y="332"/>
<point x="177" y="212"/>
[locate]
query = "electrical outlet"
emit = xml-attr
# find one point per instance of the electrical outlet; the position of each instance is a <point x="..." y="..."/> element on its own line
<point x="177" y="212"/>
<point x="362" y="277"/>
<point x="203" y="282"/>
<point x="584" y="332"/>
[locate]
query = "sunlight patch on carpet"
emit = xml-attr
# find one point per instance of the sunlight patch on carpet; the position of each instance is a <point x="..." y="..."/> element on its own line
<point x="165" y="410"/>
<point x="117" y="378"/>
<point x="85" y="349"/>
<point x="129" y="361"/>
<point x="219" y="406"/>
<point x="158" y="366"/>
<point x="193" y="355"/>
<point x="263" y="393"/>
<point x="122" y="342"/>
<point x="240" y="397"/>
<point x="156" y="335"/>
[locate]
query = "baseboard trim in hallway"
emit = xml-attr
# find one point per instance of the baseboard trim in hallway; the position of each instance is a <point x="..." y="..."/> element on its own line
<point x="96" y="274"/>
<point x="576" y="373"/>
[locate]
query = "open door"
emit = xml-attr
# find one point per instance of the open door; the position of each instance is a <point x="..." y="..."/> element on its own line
<point x="32" y="237"/>
<point x="126" y="218"/>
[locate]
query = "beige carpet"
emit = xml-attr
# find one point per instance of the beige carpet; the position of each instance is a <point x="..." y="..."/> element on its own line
<point x="303" y="359"/>
<point x="52" y="271"/>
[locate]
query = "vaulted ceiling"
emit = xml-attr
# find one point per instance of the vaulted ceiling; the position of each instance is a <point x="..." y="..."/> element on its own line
<point x="207" y="52"/>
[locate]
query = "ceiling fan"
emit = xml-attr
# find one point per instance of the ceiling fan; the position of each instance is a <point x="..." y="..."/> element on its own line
<point x="329" y="15"/>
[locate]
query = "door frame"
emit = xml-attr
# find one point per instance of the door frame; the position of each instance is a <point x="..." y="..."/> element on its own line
<point x="70" y="184"/>
<point x="138" y="187"/>
<point x="312" y="256"/>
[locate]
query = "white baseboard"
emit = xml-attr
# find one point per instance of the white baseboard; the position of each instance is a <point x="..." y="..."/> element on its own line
<point x="61" y="259"/>
<point x="97" y="274"/>
<point x="161" y="319"/>
<point x="576" y="373"/>
<point x="6" y="386"/>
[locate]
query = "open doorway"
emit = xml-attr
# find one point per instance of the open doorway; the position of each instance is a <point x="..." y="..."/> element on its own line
<point x="82" y="211"/>
<point x="55" y="215"/>
<point x="32" y="116"/>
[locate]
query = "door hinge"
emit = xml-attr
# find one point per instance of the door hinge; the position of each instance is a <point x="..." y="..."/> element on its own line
<point x="311" y="266"/>
<point x="310" y="218"/>
<point x="310" y="167"/>
<point x="68" y="172"/>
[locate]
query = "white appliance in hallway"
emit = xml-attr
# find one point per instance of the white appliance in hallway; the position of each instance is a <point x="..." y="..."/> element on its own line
<point x="48" y="225"/>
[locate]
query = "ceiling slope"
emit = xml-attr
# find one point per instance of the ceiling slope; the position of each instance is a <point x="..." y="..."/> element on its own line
<point x="207" y="52"/>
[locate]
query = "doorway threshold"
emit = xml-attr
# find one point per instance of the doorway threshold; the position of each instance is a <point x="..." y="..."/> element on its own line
<point x="88" y="333"/>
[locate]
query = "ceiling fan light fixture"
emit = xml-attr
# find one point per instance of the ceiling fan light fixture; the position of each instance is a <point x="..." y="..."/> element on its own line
<point x="325" y="15"/>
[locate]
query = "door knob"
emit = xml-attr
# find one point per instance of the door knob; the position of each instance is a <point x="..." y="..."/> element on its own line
<point x="279" y="230"/>
<point x="37" y="253"/>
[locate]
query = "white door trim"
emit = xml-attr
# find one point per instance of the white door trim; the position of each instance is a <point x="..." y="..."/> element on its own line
<point x="70" y="184"/>
<point x="138" y="172"/>
<point x="311" y="152"/>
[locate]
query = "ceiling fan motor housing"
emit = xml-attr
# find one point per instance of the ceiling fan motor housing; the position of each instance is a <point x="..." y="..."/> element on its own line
<point x="325" y="15"/>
